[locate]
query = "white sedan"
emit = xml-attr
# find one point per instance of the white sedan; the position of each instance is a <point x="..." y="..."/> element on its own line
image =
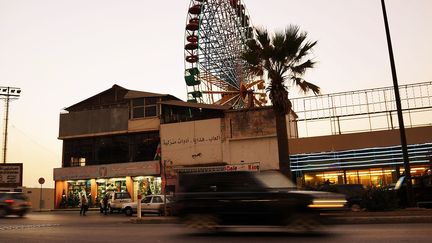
<point x="149" y="204"/>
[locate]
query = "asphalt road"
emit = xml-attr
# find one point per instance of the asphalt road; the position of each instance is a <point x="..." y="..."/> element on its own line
<point x="71" y="227"/>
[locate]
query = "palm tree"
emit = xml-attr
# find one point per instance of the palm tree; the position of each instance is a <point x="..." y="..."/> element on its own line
<point x="283" y="58"/>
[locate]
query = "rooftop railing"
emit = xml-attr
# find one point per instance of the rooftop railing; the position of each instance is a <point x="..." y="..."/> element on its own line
<point x="363" y="110"/>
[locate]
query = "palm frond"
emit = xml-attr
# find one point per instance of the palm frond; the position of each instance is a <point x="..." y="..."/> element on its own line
<point x="301" y="68"/>
<point x="282" y="57"/>
<point x="305" y="86"/>
<point x="263" y="37"/>
<point x="304" y="51"/>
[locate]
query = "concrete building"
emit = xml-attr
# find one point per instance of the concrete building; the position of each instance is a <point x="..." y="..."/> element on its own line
<point x="139" y="142"/>
<point x="353" y="137"/>
<point x="110" y="142"/>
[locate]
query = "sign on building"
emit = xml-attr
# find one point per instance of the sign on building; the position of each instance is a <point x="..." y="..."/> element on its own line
<point x="251" y="167"/>
<point x="11" y="175"/>
<point x="107" y="170"/>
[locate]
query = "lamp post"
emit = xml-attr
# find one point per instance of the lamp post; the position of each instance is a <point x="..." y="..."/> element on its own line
<point x="399" y="111"/>
<point x="8" y="94"/>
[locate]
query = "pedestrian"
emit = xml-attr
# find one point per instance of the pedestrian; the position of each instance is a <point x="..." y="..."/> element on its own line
<point x="84" y="204"/>
<point x="105" y="204"/>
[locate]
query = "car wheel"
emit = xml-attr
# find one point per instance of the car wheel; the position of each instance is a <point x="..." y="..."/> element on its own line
<point x="202" y="222"/>
<point x="2" y="212"/>
<point x="128" y="211"/>
<point x="355" y="207"/>
<point x="304" y="223"/>
<point x="111" y="210"/>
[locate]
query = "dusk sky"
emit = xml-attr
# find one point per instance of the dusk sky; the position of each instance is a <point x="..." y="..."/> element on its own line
<point x="61" y="52"/>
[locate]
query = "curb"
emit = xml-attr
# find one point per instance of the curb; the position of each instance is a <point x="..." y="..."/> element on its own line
<point x="154" y="220"/>
<point x="383" y="220"/>
<point x="334" y="220"/>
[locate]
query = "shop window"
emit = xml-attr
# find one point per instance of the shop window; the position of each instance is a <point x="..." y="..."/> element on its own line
<point x="101" y="189"/>
<point x="144" y="107"/>
<point x="147" y="185"/>
<point x="75" y="189"/>
<point x="116" y="185"/>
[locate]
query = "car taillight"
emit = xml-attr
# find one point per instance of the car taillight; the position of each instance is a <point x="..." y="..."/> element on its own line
<point x="10" y="201"/>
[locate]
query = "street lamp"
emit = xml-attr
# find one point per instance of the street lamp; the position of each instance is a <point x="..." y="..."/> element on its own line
<point x="8" y="94"/>
<point x="399" y="111"/>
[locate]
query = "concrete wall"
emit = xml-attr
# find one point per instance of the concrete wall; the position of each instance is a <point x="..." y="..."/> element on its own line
<point x="144" y="124"/>
<point x="249" y="123"/>
<point x="34" y="196"/>
<point x="359" y="140"/>
<point x="260" y="149"/>
<point x="90" y="122"/>
<point x="192" y="143"/>
<point x="245" y="136"/>
<point x="255" y="122"/>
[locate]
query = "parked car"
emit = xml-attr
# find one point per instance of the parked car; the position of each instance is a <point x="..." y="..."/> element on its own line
<point x="209" y="201"/>
<point x="116" y="200"/>
<point x="15" y="203"/>
<point x="354" y="193"/>
<point x="422" y="191"/>
<point x="149" y="204"/>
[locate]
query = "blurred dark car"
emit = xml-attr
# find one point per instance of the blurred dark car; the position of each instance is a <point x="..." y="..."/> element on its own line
<point x="422" y="191"/>
<point x="354" y="193"/>
<point x="209" y="201"/>
<point x="14" y="203"/>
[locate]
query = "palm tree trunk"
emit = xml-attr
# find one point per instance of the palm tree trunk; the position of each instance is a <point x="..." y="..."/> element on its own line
<point x="283" y="148"/>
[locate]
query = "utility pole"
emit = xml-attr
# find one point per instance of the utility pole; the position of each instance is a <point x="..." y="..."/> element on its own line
<point x="399" y="111"/>
<point x="8" y="94"/>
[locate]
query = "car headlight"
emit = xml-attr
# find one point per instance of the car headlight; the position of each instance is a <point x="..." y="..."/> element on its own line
<point x="327" y="203"/>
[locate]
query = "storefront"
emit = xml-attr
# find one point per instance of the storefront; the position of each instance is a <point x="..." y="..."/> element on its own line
<point x="135" y="178"/>
<point x="371" y="167"/>
<point x="373" y="177"/>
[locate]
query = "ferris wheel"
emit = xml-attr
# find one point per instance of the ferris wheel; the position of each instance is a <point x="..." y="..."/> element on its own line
<point x="215" y="36"/>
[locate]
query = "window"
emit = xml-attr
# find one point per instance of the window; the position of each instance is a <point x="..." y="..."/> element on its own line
<point x="144" y="107"/>
<point x="78" y="161"/>
<point x="146" y="200"/>
<point x="157" y="200"/>
<point x="143" y="146"/>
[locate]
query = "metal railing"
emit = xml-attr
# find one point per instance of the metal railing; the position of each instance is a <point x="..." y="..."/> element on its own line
<point x="363" y="110"/>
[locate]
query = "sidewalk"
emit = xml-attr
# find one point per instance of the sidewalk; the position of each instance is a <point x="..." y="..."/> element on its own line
<point x="409" y="215"/>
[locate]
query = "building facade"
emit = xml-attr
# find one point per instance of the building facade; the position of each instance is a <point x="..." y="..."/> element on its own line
<point x="110" y="143"/>
<point x="139" y="142"/>
<point x="353" y="137"/>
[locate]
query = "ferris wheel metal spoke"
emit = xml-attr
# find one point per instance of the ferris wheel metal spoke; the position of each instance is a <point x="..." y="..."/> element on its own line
<point x="221" y="92"/>
<point x="215" y="36"/>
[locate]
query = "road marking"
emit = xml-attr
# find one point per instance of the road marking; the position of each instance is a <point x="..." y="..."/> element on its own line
<point x="26" y="226"/>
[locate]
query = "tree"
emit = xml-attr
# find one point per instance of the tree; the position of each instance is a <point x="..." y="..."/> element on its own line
<point x="282" y="58"/>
